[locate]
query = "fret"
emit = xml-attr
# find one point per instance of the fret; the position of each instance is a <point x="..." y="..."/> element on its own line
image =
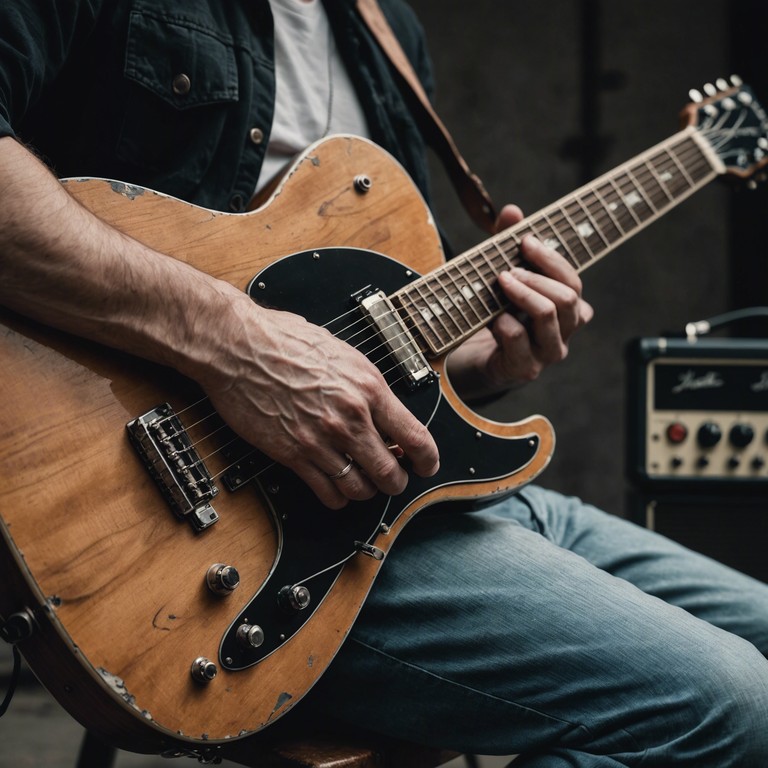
<point x="493" y="270"/>
<point x="593" y="218"/>
<point x="436" y="336"/>
<point x="480" y="287"/>
<point x="571" y="236"/>
<point x="510" y="253"/>
<point x="641" y="188"/>
<point x="622" y="217"/>
<point x="632" y="198"/>
<point x="660" y="182"/>
<point x="587" y="227"/>
<point x="455" y="299"/>
<point x="680" y="167"/>
<point x="581" y="232"/>
<point x="554" y="239"/>
<point x="470" y="294"/>
<point x="675" y="181"/>
<point x="609" y="224"/>
<point x="442" y="304"/>
<point x="621" y="205"/>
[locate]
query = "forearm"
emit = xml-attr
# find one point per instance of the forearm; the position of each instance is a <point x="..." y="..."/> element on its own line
<point x="282" y="383"/>
<point x="63" y="266"/>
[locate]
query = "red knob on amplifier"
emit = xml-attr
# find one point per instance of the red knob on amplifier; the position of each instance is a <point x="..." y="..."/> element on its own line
<point x="677" y="432"/>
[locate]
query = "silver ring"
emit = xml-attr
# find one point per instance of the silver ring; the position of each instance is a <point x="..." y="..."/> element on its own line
<point x="343" y="472"/>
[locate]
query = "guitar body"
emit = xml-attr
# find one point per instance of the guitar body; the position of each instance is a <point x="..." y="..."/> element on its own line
<point x="115" y="581"/>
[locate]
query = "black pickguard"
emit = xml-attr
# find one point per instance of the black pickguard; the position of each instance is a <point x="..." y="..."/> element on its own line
<point x="315" y="541"/>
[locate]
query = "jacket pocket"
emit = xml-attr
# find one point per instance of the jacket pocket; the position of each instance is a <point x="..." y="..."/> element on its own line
<point x="181" y="82"/>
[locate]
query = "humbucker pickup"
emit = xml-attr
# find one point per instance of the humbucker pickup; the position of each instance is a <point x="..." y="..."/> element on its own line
<point x="397" y="338"/>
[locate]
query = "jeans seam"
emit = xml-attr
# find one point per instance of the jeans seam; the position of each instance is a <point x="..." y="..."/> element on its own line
<point x="464" y="687"/>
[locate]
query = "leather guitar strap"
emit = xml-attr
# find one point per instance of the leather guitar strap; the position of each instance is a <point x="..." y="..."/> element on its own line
<point x="469" y="187"/>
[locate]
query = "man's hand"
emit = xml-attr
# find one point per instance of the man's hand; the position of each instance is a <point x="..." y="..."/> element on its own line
<point x="547" y="309"/>
<point x="315" y="404"/>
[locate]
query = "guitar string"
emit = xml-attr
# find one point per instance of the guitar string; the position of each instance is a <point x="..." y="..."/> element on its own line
<point x="236" y="439"/>
<point x="654" y="204"/>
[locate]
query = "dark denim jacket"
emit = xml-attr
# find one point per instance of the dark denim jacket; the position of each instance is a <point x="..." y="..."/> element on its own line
<point x="178" y="95"/>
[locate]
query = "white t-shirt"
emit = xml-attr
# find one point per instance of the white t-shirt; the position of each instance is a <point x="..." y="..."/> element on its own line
<point x="314" y="95"/>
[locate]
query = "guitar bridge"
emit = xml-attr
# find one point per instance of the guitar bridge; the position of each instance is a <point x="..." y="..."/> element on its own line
<point x="162" y="442"/>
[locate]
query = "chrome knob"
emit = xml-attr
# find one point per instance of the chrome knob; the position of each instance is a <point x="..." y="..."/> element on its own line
<point x="203" y="670"/>
<point x="222" y="579"/>
<point x="293" y="598"/>
<point x="250" y="635"/>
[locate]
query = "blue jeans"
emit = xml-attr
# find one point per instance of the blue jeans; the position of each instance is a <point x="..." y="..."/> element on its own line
<point x="544" y="627"/>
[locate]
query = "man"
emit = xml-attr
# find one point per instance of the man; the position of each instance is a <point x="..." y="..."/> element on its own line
<point x="534" y="626"/>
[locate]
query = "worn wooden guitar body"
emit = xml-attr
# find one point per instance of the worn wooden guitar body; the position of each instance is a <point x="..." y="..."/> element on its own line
<point x="128" y="515"/>
<point x="116" y="582"/>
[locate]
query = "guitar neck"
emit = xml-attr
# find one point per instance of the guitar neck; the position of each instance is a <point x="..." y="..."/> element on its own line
<point x="453" y="302"/>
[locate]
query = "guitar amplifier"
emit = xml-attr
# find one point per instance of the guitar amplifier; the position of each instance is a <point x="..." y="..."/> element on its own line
<point x="697" y="445"/>
<point x="698" y="414"/>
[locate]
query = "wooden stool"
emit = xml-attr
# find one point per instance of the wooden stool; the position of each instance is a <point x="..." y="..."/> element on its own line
<point x="354" y="751"/>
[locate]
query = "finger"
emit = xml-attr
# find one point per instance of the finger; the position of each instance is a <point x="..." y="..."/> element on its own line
<point x="336" y="493"/>
<point x="508" y="217"/>
<point x="544" y="296"/>
<point x="414" y="440"/>
<point x="519" y="361"/>
<point x="346" y="476"/>
<point x="550" y="262"/>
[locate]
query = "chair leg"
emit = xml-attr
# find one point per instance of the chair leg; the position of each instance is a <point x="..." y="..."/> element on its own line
<point x="94" y="753"/>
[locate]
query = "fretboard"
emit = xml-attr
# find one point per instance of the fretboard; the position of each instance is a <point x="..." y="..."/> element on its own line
<point x="451" y="303"/>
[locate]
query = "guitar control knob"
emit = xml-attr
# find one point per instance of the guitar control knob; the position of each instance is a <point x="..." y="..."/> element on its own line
<point x="250" y="635"/>
<point x="293" y="598"/>
<point x="733" y="462"/>
<point x="709" y="434"/>
<point x="741" y="435"/>
<point x="203" y="670"/>
<point x="222" y="579"/>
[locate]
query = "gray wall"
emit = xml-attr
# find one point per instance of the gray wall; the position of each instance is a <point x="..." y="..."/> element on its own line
<point x="509" y="79"/>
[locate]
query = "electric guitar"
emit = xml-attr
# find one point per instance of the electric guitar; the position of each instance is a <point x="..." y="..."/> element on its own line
<point x="171" y="586"/>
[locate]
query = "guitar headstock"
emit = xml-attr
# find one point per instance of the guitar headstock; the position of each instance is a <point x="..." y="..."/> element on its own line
<point x="733" y="123"/>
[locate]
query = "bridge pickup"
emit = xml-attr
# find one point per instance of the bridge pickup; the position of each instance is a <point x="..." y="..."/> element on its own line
<point x="398" y="339"/>
<point x="164" y="446"/>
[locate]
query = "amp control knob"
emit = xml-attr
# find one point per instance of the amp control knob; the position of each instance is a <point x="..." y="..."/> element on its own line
<point x="709" y="434"/>
<point x="741" y="435"/>
<point x="677" y="432"/>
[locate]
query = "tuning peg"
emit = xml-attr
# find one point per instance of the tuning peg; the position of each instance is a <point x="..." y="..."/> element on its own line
<point x="695" y="96"/>
<point x="722" y="84"/>
<point x="751" y="184"/>
<point x="736" y="81"/>
<point x="710" y="89"/>
<point x="745" y="97"/>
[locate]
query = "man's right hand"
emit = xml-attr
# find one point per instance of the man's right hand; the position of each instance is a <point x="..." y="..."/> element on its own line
<point x="314" y="403"/>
